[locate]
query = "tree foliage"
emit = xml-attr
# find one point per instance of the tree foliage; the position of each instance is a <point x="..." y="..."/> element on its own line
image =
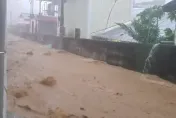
<point x="144" y="28"/>
<point x="169" y="34"/>
<point x="172" y="16"/>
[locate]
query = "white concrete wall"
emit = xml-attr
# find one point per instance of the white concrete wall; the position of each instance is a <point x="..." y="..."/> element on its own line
<point x="100" y="10"/>
<point x="91" y="15"/>
<point x="76" y="16"/>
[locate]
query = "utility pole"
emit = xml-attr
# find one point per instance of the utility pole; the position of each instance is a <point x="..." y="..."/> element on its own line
<point x="10" y="18"/>
<point x="62" y="28"/>
<point x="31" y="8"/>
<point x="40" y="7"/>
<point x="3" y="104"/>
<point x="62" y="14"/>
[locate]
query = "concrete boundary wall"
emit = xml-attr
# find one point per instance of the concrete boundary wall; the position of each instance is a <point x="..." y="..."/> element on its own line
<point x="128" y="55"/>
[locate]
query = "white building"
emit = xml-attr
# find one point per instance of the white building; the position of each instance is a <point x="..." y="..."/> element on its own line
<point x="92" y="15"/>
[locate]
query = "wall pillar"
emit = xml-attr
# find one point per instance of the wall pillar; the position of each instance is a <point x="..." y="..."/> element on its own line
<point x="3" y="104"/>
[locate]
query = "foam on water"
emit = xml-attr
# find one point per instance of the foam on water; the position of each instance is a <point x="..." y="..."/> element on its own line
<point x="150" y="57"/>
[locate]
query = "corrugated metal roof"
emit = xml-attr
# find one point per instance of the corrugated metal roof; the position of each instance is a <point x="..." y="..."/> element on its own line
<point x="117" y="35"/>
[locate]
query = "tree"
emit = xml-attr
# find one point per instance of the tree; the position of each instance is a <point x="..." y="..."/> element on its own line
<point x="169" y="34"/>
<point x="157" y="13"/>
<point x="172" y="17"/>
<point x="144" y="28"/>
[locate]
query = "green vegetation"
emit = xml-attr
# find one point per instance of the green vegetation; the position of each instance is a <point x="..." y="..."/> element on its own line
<point x="145" y="29"/>
<point x="169" y="34"/>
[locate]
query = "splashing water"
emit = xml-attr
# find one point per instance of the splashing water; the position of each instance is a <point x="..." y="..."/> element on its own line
<point x="150" y="58"/>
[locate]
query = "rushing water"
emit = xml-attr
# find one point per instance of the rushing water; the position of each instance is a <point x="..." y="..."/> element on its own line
<point x="150" y="58"/>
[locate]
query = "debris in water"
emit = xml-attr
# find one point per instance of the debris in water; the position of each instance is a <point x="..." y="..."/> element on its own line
<point x="8" y="70"/>
<point x="28" y="85"/>
<point x="172" y="103"/>
<point x="29" y="53"/>
<point x="83" y="116"/>
<point x="49" y="81"/>
<point x="72" y="116"/>
<point x="89" y="60"/>
<point x="17" y="62"/>
<point x="82" y="109"/>
<point x="47" y="53"/>
<point x="105" y="112"/>
<point x="26" y="107"/>
<point x="57" y="113"/>
<point x="61" y="51"/>
<point x="120" y="94"/>
<point x="20" y="94"/>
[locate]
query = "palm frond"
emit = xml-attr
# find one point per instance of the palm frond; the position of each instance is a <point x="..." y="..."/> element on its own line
<point x="172" y="16"/>
<point x="128" y="29"/>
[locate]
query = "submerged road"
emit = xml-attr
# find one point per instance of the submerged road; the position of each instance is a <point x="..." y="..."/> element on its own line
<point x="84" y="87"/>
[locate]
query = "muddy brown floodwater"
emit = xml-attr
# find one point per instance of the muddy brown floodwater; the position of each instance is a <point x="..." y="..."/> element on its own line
<point x="79" y="86"/>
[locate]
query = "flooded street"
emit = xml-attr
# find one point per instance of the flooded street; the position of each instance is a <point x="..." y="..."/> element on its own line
<point x="82" y="87"/>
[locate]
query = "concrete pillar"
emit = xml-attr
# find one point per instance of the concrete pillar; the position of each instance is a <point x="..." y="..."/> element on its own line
<point x="2" y="60"/>
<point x="62" y="28"/>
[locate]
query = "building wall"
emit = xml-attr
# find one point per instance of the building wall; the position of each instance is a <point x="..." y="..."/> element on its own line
<point x="91" y="15"/>
<point x="100" y="10"/>
<point x="76" y="16"/>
